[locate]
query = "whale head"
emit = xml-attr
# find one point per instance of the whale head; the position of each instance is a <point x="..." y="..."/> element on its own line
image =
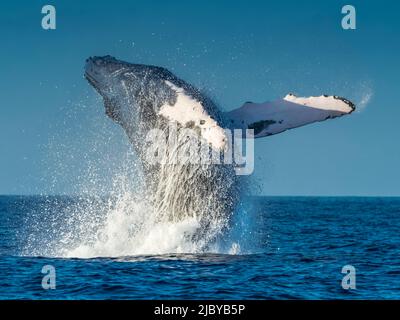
<point x="104" y="74"/>
<point x="128" y="89"/>
<point x="136" y="96"/>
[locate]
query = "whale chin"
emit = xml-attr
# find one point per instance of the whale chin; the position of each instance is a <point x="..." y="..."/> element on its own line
<point x="93" y="82"/>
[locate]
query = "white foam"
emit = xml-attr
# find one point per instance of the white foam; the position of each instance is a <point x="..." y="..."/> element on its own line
<point x="365" y="100"/>
<point x="132" y="226"/>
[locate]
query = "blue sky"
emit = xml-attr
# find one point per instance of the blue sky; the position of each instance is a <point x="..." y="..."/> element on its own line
<point x="53" y="127"/>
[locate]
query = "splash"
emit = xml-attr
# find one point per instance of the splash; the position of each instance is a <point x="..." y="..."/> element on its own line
<point x="130" y="228"/>
<point x="366" y="94"/>
<point x="364" y="101"/>
<point x="182" y="213"/>
<point x="130" y="225"/>
<point x="178" y="211"/>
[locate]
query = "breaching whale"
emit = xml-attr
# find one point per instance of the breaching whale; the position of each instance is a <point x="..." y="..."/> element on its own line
<point x="142" y="97"/>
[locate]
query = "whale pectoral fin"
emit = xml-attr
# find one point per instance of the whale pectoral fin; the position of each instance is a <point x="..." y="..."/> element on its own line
<point x="291" y="112"/>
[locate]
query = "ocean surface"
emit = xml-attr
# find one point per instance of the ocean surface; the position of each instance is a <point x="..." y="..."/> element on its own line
<point x="303" y="243"/>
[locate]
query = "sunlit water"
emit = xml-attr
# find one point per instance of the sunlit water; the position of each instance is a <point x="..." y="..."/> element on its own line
<point x="300" y="246"/>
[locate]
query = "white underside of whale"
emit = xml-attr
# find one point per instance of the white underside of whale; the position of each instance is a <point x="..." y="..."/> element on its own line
<point x="187" y="111"/>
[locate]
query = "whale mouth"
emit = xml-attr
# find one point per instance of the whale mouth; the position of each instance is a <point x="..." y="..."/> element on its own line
<point x="94" y="83"/>
<point x="91" y="80"/>
<point x="90" y="74"/>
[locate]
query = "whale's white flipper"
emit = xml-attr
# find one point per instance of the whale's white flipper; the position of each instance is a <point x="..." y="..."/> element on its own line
<point x="291" y="112"/>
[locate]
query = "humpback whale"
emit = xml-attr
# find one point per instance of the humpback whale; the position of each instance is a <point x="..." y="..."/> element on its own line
<point x="142" y="98"/>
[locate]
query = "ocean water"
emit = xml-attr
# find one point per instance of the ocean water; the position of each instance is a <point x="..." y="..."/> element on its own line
<point x="300" y="247"/>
